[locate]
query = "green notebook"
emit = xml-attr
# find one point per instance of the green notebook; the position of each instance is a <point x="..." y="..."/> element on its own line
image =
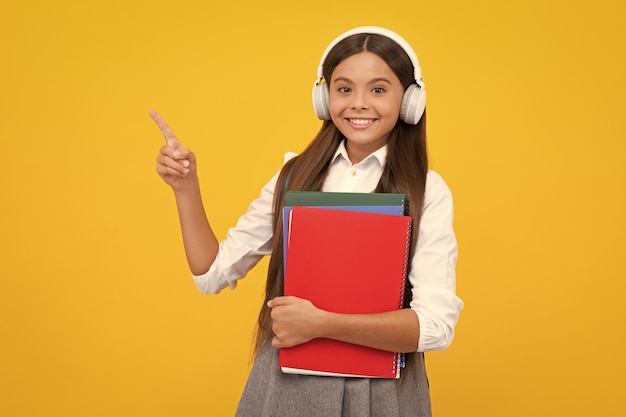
<point x="321" y="198"/>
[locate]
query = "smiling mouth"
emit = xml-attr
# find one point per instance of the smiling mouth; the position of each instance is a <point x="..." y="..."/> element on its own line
<point x="361" y="122"/>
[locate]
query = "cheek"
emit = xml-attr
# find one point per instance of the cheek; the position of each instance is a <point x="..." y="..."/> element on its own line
<point x="336" y="104"/>
<point x="336" y="109"/>
<point x="392" y="107"/>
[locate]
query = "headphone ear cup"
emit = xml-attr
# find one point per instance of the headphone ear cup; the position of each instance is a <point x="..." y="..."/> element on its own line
<point x="321" y="103"/>
<point x="413" y="104"/>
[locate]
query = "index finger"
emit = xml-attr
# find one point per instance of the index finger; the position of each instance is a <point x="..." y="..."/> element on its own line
<point x="170" y="137"/>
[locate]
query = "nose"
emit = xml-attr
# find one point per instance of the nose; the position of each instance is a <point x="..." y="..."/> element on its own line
<point x="359" y="100"/>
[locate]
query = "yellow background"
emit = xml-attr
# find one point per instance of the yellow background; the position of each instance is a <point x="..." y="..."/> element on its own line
<point x="99" y="316"/>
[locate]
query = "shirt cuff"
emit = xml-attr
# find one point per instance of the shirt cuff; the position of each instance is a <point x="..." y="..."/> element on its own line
<point x="211" y="282"/>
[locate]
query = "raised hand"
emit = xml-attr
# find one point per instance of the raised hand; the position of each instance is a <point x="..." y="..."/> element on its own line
<point x="175" y="163"/>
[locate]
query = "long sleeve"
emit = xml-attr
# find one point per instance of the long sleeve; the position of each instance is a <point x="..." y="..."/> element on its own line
<point x="245" y="245"/>
<point x="433" y="274"/>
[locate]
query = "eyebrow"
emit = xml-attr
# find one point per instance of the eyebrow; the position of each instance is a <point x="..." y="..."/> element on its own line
<point x="372" y="81"/>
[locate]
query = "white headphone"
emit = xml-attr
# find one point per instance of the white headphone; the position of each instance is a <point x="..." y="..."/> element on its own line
<point x="414" y="99"/>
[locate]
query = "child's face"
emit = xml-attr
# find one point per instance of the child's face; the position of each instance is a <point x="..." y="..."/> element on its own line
<point x="365" y="99"/>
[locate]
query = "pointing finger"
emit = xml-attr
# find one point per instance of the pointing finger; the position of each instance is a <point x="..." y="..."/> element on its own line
<point x="170" y="137"/>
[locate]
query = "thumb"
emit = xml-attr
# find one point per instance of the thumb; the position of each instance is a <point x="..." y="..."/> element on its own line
<point x="279" y="301"/>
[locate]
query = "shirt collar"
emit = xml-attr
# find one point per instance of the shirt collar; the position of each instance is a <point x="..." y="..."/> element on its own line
<point x="380" y="154"/>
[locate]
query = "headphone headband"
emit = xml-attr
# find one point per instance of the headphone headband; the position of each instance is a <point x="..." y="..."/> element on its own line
<point x="417" y="70"/>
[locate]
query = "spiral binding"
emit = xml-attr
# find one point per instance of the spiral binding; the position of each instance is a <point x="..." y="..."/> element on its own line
<point x="405" y="263"/>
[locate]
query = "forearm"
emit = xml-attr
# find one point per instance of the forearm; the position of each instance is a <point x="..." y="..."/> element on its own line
<point x="200" y="243"/>
<point x="395" y="331"/>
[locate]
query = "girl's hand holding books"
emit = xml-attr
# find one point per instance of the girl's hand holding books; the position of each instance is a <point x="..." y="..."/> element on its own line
<point x="294" y="321"/>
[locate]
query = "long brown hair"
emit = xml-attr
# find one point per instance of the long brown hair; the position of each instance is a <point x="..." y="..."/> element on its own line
<point x="404" y="172"/>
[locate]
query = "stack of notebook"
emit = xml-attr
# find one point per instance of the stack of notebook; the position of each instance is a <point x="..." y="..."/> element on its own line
<point x="346" y="253"/>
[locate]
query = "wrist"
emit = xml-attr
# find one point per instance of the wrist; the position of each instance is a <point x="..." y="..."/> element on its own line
<point x="325" y="322"/>
<point x="185" y="187"/>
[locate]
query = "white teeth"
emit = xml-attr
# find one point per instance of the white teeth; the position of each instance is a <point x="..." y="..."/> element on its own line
<point x="360" y="121"/>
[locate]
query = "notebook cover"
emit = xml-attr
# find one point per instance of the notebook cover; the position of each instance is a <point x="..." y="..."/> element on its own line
<point x="397" y="210"/>
<point x="345" y="262"/>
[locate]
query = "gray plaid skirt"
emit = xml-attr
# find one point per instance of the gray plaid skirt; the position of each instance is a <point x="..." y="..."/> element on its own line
<point x="271" y="393"/>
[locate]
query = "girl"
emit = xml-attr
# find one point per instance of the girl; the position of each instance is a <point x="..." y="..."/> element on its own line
<point x="373" y="139"/>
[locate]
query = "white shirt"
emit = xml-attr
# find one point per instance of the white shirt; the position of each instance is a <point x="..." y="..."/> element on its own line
<point x="432" y="273"/>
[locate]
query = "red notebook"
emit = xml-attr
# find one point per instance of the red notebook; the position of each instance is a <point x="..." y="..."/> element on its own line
<point x="345" y="262"/>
